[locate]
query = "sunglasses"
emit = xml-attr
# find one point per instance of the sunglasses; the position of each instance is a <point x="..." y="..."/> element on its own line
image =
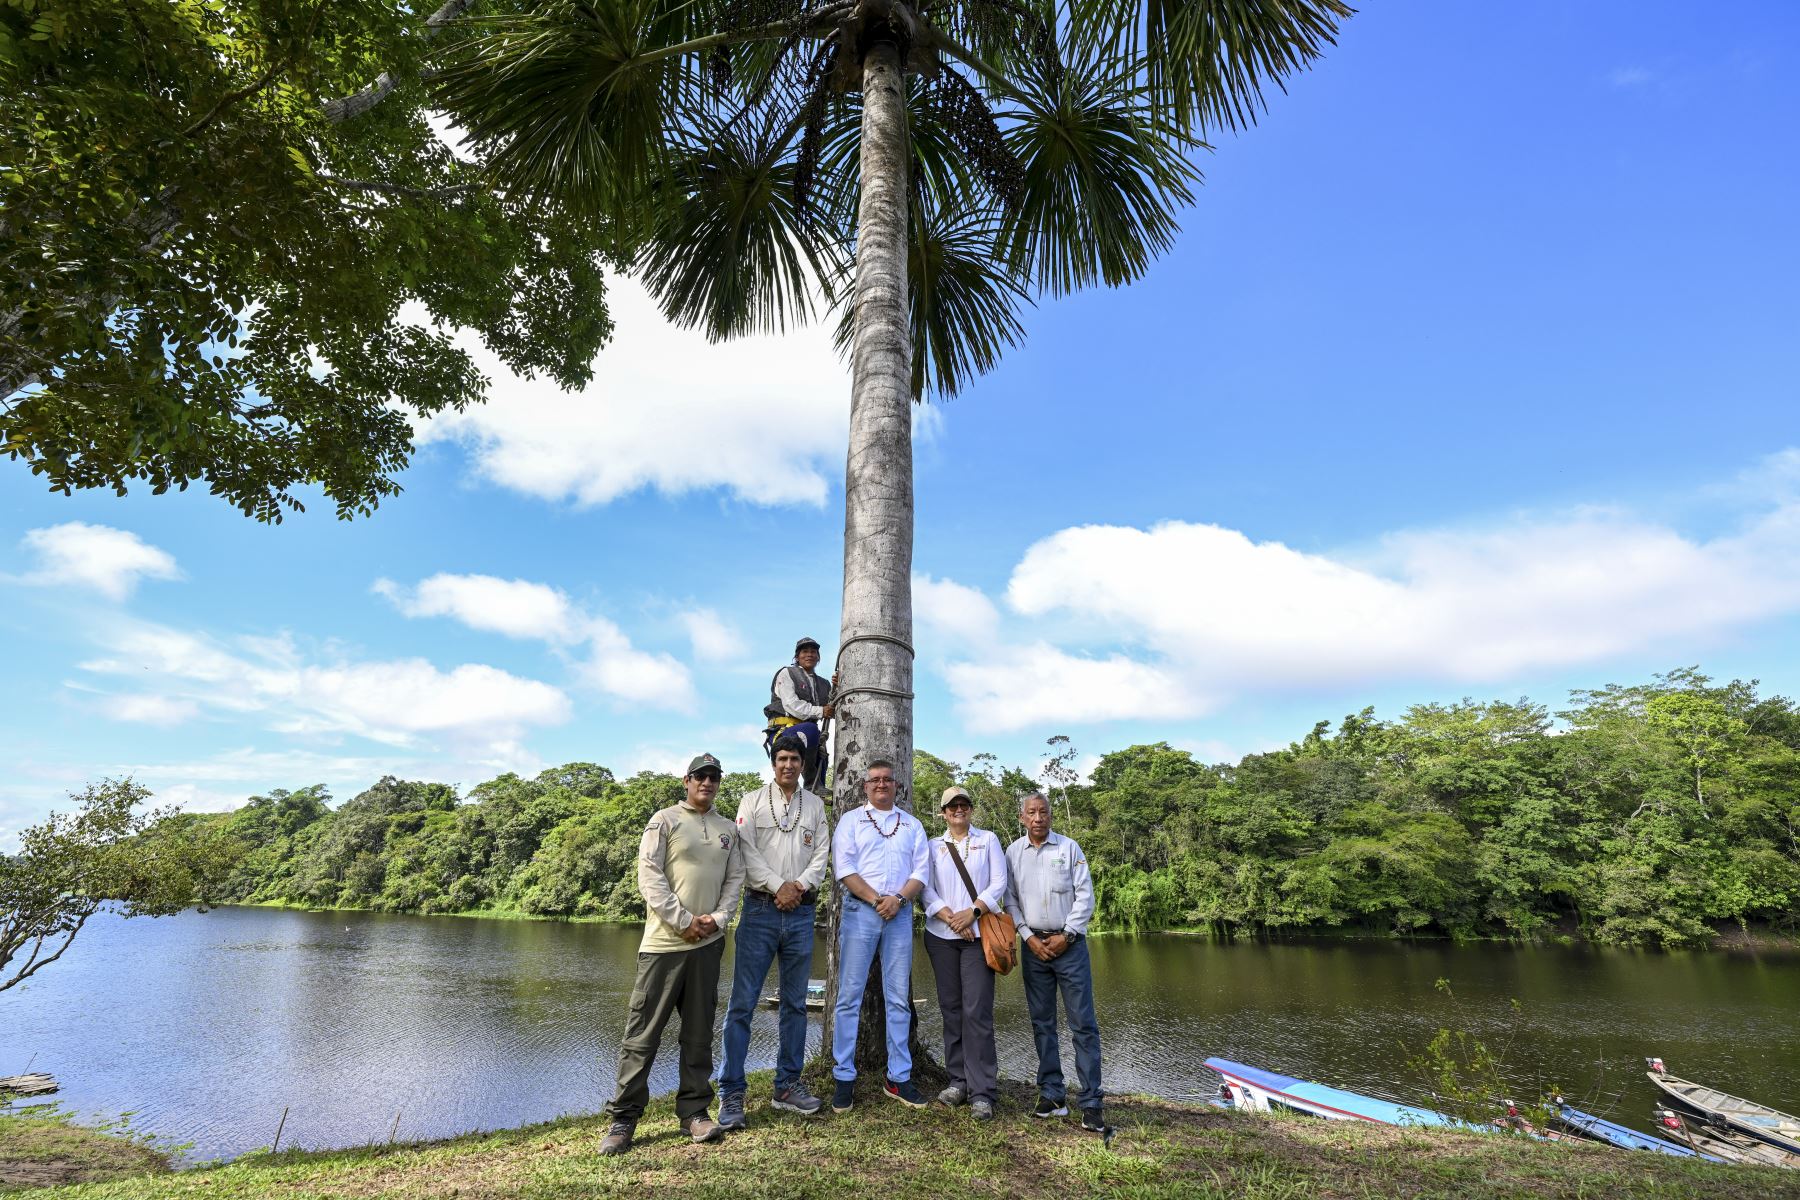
<point x="704" y="775"/>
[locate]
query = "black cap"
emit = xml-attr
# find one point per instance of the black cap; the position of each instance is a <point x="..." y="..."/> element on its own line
<point x="704" y="762"/>
<point x="803" y="643"/>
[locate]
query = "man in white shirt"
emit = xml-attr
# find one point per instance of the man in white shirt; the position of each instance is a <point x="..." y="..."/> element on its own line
<point x="965" y="982"/>
<point x="786" y="843"/>
<point x="879" y="854"/>
<point x="1050" y="897"/>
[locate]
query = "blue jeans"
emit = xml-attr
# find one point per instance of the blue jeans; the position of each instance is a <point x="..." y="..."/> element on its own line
<point x="1070" y="973"/>
<point x="861" y="933"/>
<point x="763" y="933"/>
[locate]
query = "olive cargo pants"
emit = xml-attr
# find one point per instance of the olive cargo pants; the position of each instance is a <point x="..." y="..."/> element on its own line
<point x="684" y="981"/>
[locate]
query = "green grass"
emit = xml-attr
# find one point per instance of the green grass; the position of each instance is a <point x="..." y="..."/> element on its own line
<point x="39" y="1145"/>
<point x="883" y="1151"/>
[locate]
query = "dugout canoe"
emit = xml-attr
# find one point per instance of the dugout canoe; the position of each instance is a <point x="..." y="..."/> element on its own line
<point x="1778" y="1129"/>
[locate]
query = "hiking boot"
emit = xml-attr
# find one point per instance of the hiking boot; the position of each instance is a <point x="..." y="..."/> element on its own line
<point x="703" y="1128"/>
<point x="796" y="1099"/>
<point x="843" y="1096"/>
<point x="953" y="1095"/>
<point x="618" y="1138"/>
<point x="982" y="1110"/>
<point x="1092" y="1121"/>
<point x="731" y="1112"/>
<point x="1046" y="1107"/>
<point x="906" y="1093"/>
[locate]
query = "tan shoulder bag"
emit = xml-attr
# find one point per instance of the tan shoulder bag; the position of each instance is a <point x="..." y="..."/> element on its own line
<point x="999" y="938"/>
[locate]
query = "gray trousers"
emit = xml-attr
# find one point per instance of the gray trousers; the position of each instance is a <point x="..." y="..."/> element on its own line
<point x="684" y="981"/>
<point x="965" y="988"/>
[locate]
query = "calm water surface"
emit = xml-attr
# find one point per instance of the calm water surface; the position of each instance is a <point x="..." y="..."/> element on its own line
<point x="204" y="1026"/>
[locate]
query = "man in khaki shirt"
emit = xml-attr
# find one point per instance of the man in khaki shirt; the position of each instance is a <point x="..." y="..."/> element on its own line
<point x="690" y="871"/>
<point x="787" y="855"/>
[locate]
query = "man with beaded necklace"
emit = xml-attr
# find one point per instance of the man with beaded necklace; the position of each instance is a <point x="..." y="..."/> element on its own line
<point x="880" y="856"/>
<point x="786" y="844"/>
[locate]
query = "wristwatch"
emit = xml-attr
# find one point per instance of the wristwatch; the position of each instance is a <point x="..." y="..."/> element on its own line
<point x="1069" y="935"/>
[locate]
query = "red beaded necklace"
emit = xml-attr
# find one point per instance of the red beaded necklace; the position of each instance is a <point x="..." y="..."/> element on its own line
<point x="899" y="819"/>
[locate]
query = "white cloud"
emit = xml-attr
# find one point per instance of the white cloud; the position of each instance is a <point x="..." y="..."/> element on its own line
<point x="619" y="669"/>
<point x="521" y="609"/>
<point x="394" y="701"/>
<point x="1630" y="77"/>
<point x="514" y="607"/>
<point x="960" y="612"/>
<point x="714" y="638"/>
<point x="763" y="418"/>
<point x="150" y="709"/>
<point x="1177" y="619"/>
<point x="110" y="561"/>
<point x="1017" y="687"/>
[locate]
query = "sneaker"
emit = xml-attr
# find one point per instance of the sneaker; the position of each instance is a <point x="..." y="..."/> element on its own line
<point x="797" y="1099"/>
<point x="953" y="1095"/>
<point x="618" y="1138"/>
<point x="1092" y="1121"/>
<point x="843" y="1096"/>
<point x="906" y="1093"/>
<point x="1046" y="1107"/>
<point x="703" y="1129"/>
<point x="982" y="1110"/>
<point x="731" y="1112"/>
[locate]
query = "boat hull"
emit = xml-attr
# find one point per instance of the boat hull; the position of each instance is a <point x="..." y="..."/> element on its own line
<point x="1770" y="1126"/>
<point x="1257" y="1090"/>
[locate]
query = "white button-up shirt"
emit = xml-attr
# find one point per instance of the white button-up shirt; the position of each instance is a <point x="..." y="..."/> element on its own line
<point x="1049" y="888"/>
<point x="944" y="887"/>
<point x="886" y="863"/>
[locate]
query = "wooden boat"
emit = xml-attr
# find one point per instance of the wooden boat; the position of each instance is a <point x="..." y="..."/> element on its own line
<point x="1256" y="1090"/>
<point x="1779" y="1129"/>
<point x="1724" y="1144"/>
<point x="1619" y="1135"/>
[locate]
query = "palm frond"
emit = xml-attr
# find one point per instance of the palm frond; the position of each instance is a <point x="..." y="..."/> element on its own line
<point x="964" y="303"/>
<point x="575" y="100"/>
<point x="1209" y="62"/>
<point x="1102" y="176"/>
<point x="726" y="250"/>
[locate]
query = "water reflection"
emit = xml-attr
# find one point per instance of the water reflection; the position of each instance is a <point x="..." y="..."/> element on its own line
<point x="207" y="1025"/>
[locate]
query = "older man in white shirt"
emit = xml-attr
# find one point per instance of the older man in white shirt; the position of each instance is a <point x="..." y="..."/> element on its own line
<point x="1050" y="897"/>
<point x="879" y="854"/>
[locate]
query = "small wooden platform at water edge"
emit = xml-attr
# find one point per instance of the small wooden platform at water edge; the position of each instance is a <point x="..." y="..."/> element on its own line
<point x="36" y="1084"/>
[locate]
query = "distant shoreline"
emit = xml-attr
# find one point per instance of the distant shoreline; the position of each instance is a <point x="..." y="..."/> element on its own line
<point x="1730" y="939"/>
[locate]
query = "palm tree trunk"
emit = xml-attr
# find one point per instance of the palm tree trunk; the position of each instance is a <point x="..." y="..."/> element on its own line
<point x="875" y="665"/>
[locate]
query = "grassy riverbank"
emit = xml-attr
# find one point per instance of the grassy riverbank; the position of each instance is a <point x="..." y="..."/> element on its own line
<point x="885" y="1152"/>
<point x="40" y="1146"/>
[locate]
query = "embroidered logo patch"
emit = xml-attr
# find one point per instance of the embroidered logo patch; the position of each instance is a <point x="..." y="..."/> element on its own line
<point x="724" y="841"/>
<point x="806" y="837"/>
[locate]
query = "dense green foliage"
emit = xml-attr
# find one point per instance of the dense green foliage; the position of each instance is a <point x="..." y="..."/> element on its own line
<point x="1641" y="815"/>
<point x="232" y="250"/>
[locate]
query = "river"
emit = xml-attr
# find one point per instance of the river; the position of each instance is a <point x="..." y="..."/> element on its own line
<point x="204" y="1026"/>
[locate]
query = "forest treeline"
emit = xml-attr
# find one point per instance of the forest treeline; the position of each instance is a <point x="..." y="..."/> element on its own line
<point x="1651" y="814"/>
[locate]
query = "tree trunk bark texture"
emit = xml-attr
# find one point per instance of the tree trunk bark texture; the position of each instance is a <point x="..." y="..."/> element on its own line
<point x="875" y="688"/>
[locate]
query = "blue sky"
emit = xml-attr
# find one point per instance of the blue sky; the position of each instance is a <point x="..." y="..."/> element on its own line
<point x="1473" y="372"/>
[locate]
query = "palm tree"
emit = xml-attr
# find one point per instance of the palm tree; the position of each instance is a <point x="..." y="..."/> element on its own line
<point x="920" y="166"/>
